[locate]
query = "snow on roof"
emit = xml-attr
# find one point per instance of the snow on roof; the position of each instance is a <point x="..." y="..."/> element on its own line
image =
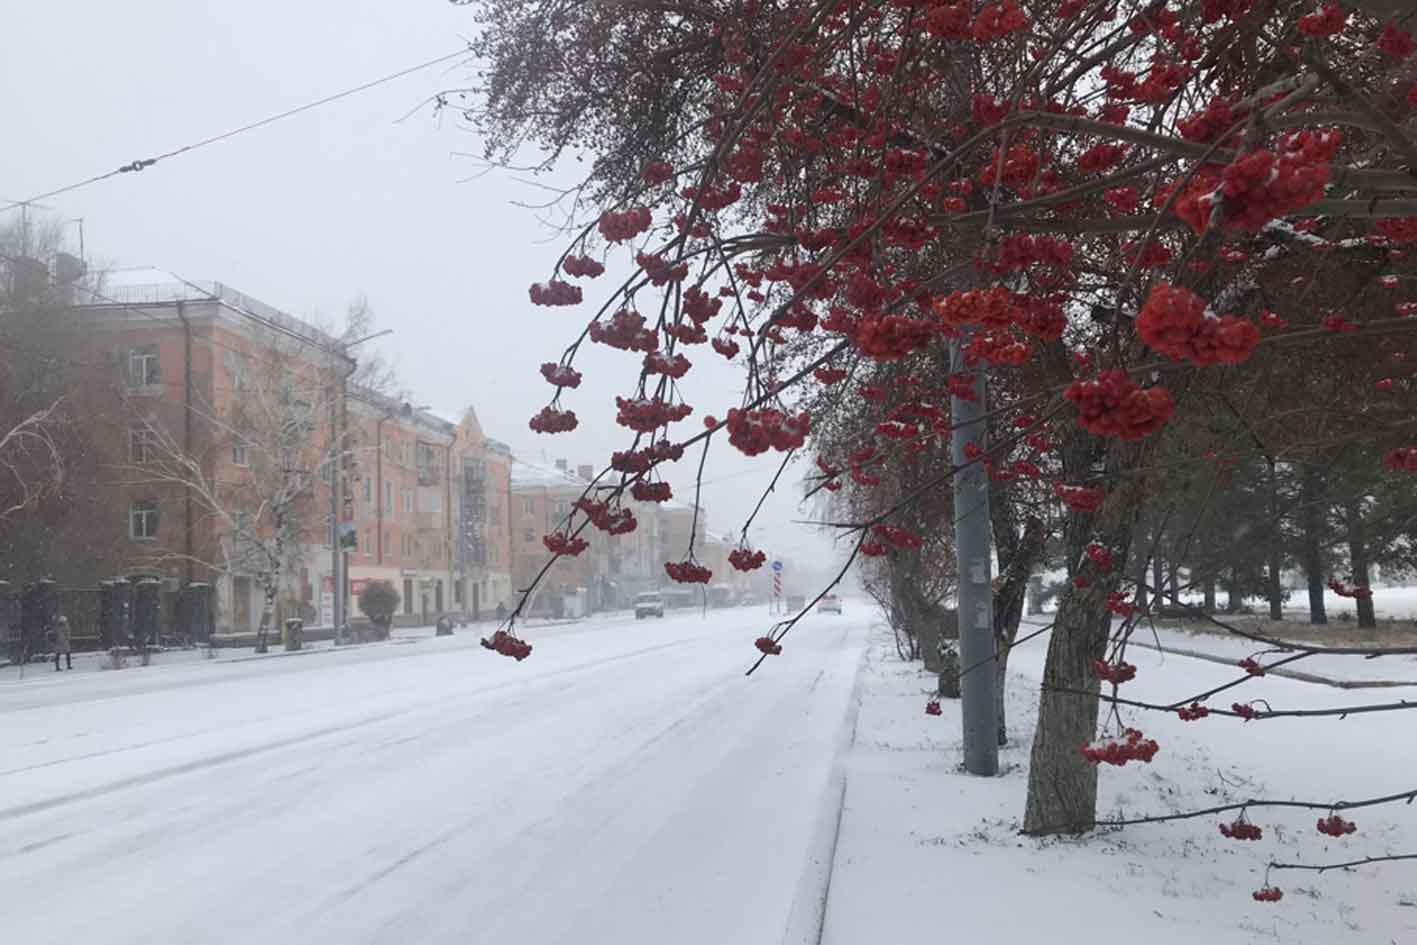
<point x="537" y="476"/>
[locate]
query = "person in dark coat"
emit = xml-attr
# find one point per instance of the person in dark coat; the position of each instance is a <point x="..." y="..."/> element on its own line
<point x="62" y="644"/>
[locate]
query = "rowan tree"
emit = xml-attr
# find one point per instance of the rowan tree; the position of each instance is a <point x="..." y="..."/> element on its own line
<point x="1088" y="199"/>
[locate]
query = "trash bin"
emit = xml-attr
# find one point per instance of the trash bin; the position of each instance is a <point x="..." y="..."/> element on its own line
<point x="445" y="626"/>
<point x="294" y="633"/>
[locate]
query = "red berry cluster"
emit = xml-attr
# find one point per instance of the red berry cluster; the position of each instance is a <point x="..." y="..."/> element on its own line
<point x="614" y="521"/>
<point x="627" y="224"/>
<point x="561" y="375"/>
<point x="641" y="460"/>
<point x="1101" y="157"/>
<point x="892" y="337"/>
<point x="768" y="645"/>
<point x="551" y="420"/>
<point x="1130" y="746"/>
<point x="996" y="20"/>
<point x="647" y="415"/>
<point x="1114" y="405"/>
<point x="1151" y="254"/>
<point x="1395" y="41"/>
<point x="743" y="559"/>
<point x="995" y="347"/>
<point x="1080" y="498"/>
<point x="508" y="645"/>
<point x="1260" y="186"/>
<point x="1209" y="123"/>
<point x="961" y="386"/>
<point x="1100" y="556"/>
<point x="1122" y="199"/>
<point x="1402" y="459"/>
<point x="1343" y="590"/>
<point x="1241" y="829"/>
<point x="1336" y="826"/>
<point x="1249" y="665"/>
<point x="993" y="308"/>
<point x="1021" y="250"/>
<point x="582" y="266"/>
<point x="1192" y="712"/>
<point x="625" y="330"/>
<point x="675" y="367"/>
<point x="873" y="549"/>
<point x="1114" y="673"/>
<point x="699" y="306"/>
<point x="643" y="491"/>
<point x="1337" y="323"/>
<point x="933" y="707"/>
<point x="554" y="292"/>
<point x="1267" y="894"/>
<point x="757" y="431"/>
<point x="1020" y="164"/>
<point x="558" y="543"/>
<point x="1273" y="320"/>
<point x="656" y="172"/>
<point x="1244" y="710"/>
<point x="1397" y="229"/>
<point x="987" y="110"/>
<point x="1328" y="21"/>
<point x="897" y="537"/>
<point x="687" y="333"/>
<point x="726" y="347"/>
<point x="687" y="572"/>
<point x="1174" y="322"/>
<point x="660" y="270"/>
<point x="1117" y="603"/>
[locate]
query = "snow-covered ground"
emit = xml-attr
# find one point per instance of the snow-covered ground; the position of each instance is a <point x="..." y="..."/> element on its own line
<point x="626" y="784"/>
<point x="926" y="849"/>
<point x="629" y="785"/>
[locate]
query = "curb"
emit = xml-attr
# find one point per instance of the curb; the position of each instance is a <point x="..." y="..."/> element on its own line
<point x="806" y="921"/>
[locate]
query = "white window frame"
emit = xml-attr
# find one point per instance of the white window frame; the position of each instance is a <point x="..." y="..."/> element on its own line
<point x="140" y="444"/>
<point x="144" y="366"/>
<point x="240" y="455"/>
<point x="144" y="511"/>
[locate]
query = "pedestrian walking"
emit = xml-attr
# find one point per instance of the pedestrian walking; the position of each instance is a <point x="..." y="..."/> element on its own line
<point x="61" y="644"/>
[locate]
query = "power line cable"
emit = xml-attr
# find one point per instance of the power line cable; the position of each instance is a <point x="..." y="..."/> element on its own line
<point x="144" y="163"/>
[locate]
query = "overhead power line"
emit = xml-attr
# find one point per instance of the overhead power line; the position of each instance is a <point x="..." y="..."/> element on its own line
<point x="144" y="163"/>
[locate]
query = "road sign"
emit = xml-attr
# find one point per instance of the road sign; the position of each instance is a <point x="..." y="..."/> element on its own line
<point x="777" y="565"/>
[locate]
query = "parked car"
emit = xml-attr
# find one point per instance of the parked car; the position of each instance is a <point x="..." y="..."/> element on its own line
<point x="649" y="604"/>
<point x="830" y="604"/>
<point x="796" y="602"/>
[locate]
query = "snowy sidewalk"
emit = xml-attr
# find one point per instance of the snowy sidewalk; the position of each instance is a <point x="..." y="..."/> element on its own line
<point x="924" y="849"/>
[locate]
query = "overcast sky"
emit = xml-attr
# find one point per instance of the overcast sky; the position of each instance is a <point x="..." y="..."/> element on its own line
<point x="309" y="212"/>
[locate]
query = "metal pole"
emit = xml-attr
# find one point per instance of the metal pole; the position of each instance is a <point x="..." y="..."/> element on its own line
<point x="976" y="595"/>
<point x="336" y="461"/>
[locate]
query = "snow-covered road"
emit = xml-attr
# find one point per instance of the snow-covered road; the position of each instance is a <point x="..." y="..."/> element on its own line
<point x="626" y="784"/>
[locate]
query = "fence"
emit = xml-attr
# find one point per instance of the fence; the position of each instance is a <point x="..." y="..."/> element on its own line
<point x="138" y="613"/>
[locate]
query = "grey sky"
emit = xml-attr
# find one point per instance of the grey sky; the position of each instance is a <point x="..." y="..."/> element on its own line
<point x="306" y="213"/>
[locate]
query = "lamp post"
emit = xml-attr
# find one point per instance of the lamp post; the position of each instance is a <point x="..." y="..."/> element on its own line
<point x="338" y="563"/>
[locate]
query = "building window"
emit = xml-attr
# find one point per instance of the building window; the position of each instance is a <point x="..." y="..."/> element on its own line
<point x="388" y="498"/>
<point x="142" y="520"/>
<point x="408" y="501"/>
<point x="236" y="367"/>
<point x="368" y="542"/>
<point x="407" y="596"/>
<point x="368" y="490"/>
<point x="529" y="535"/>
<point x="528" y="505"/>
<point x="240" y="455"/>
<point x="142" y="444"/>
<point x="563" y="508"/>
<point x="144" y="367"/>
<point x="388" y="542"/>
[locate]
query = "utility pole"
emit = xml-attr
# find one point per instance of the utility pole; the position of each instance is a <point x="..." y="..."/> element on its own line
<point x="977" y="655"/>
<point x="336" y="461"/>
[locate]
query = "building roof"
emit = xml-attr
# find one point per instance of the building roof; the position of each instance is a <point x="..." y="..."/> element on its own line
<point x="537" y="476"/>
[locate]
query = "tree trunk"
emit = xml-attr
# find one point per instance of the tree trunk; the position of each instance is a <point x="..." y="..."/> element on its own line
<point x="1233" y="597"/>
<point x="1008" y="608"/>
<point x="1158" y="578"/>
<point x="268" y="610"/>
<point x="1276" y="536"/>
<point x="1035" y="595"/>
<point x="1210" y="594"/>
<point x="1310" y="497"/>
<point x="1062" y="784"/>
<point x="1358" y="556"/>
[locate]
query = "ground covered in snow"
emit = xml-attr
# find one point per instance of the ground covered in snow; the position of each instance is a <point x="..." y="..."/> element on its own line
<point x="626" y="784"/>
<point x="629" y="785"/>
<point x="924" y="847"/>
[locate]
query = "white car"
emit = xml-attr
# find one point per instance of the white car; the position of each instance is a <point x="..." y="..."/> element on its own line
<point x="649" y="604"/>
<point x="830" y="604"/>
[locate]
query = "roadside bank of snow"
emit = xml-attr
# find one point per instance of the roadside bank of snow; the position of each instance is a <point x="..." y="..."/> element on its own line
<point x="924" y="847"/>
